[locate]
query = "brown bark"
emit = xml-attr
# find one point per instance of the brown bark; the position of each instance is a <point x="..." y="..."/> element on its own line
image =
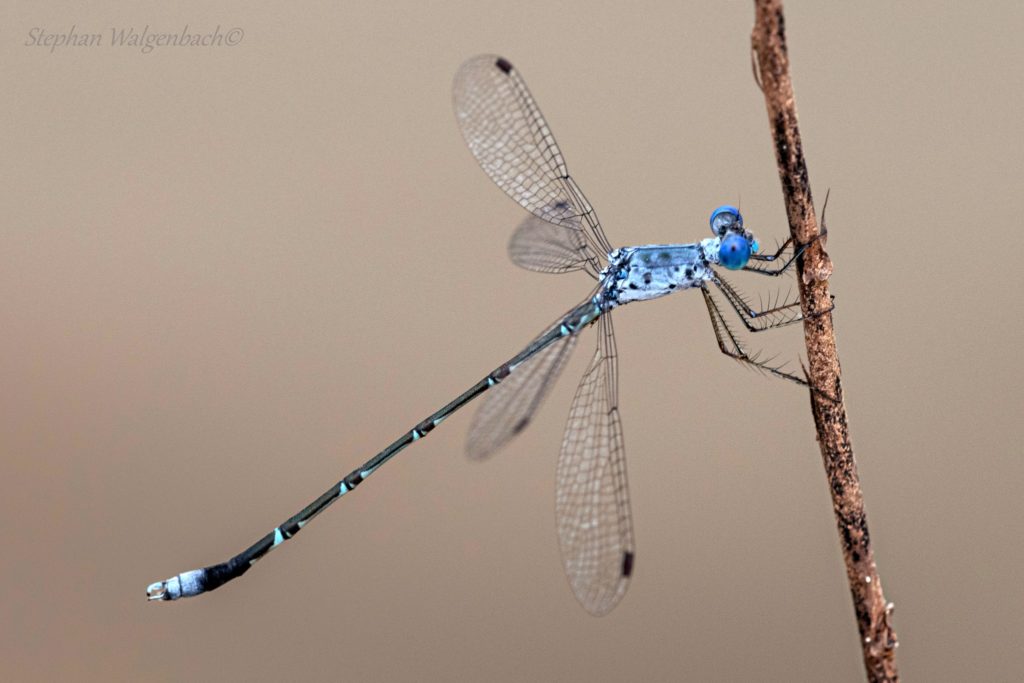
<point x="878" y="639"/>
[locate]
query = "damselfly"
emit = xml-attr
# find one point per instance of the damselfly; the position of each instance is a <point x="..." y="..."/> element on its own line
<point x="509" y="137"/>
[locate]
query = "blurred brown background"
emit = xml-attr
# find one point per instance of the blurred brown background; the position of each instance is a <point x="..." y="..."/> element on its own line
<point x="229" y="275"/>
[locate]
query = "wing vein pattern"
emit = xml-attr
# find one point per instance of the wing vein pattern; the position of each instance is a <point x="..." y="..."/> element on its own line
<point x="595" y="528"/>
<point x="506" y="132"/>
<point x="544" y="247"/>
<point x="508" y="408"/>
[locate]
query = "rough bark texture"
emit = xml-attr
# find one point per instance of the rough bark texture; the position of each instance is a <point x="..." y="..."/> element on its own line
<point x="878" y="639"/>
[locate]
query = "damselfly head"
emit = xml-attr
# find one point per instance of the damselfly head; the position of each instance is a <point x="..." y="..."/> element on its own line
<point x="735" y="244"/>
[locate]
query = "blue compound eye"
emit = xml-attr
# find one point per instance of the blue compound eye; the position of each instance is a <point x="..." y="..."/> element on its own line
<point x="734" y="251"/>
<point x="725" y="218"/>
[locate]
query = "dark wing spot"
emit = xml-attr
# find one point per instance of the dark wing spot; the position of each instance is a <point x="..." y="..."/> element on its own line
<point x="521" y="425"/>
<point x="503" y="64"/>
<point x="627" y="564"/>
<point x="647" y="278"/>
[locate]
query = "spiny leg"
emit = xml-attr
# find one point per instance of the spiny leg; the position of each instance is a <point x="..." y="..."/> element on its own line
<point x="753" y="267"/>
<point x="775" y="315"/>
<point x="731" y="346"/>
<point x="771" y="258"/>
<point x="797" y="252"/>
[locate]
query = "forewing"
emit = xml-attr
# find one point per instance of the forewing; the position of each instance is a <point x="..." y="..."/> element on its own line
<point x="595" y="529"/>
<point x="509" y="137"/>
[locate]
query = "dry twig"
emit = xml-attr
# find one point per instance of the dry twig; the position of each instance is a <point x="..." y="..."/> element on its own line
<point x="878" y="639"/>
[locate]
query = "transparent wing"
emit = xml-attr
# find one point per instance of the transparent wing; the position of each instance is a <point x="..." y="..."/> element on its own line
<point x="549" y="248"/>
<point x="509" y="137"/>
<point x="595" y="528"/>
<point x="508" y="407"/>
